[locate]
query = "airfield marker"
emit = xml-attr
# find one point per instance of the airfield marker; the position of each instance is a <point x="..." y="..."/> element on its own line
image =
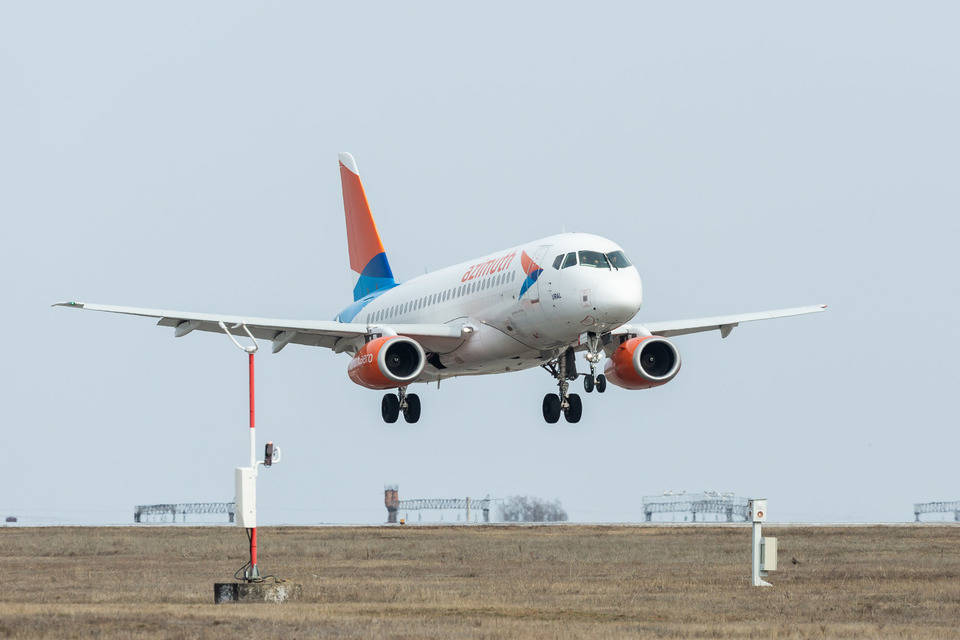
<point x="254" y="587"/>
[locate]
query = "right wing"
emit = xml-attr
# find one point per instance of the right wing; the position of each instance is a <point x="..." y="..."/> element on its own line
<point x="339" y="336"/>
<point x="724" y="324"/>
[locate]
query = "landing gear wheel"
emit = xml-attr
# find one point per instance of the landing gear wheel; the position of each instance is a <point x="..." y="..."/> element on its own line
<point x="588" y="383"/>
<point x="390" y="408"/>
<point x="551" y="408"/>
<point x="574" y="408"/>
<point x="601" y="383"/>
<point x="412" y="412"/>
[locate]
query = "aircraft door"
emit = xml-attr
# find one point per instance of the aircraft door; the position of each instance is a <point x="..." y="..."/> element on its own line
<point x="529" y="315"/>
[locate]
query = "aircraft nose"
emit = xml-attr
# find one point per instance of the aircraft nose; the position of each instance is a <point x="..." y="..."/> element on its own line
<point x="623" y="298"/>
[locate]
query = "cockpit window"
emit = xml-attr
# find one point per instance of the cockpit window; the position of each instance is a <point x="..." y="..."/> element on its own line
<point x="557" y="261"/>
<point x="570" y="260"/>
<point x="594" y="259"/>
<point x="618" y="260"/>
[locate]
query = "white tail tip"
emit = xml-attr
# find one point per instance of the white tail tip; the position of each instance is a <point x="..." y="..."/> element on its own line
<point x="347" y="160"/>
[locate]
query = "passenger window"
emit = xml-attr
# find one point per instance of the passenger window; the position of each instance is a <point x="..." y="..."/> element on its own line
<point x="557" y="261"/>
<point x="570" y="260"/>
<point x="594" y="259"/>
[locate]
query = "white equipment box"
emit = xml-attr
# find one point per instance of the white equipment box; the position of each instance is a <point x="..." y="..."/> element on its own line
<point x="768" y="554"/>
<point x="246" y="496"/>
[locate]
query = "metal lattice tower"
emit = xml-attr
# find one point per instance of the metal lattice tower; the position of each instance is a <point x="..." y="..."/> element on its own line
<point x="937" y="507"/>
<point x="183" y="508"/>
<point x="725" y="504"/>
<point x="391" y="499"/>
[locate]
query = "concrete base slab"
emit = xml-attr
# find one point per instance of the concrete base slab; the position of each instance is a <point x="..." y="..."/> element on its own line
<point x="256" y="592"/>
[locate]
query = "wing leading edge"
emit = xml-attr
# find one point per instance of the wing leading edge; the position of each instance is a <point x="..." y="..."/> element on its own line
<point x="339" y="336"/>
<point x="724" y="324"/>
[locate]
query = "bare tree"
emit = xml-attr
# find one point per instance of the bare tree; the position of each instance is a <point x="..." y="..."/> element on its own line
<point x="529" y="509"/>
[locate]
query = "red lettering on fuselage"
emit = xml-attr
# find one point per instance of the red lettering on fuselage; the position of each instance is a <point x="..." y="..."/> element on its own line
<point x="488" y="267"/>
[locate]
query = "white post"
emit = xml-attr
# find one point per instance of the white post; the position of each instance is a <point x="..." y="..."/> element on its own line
<point x="758" y="515"/>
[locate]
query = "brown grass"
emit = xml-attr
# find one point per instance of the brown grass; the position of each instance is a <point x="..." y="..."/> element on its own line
<point x="484" y="582"/>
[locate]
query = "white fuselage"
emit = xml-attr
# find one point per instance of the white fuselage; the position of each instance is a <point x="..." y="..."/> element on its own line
<point x="514" y="326"/>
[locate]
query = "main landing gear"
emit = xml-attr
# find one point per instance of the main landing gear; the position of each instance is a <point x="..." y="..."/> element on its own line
<point x="563" y="369"/>
<point x="392" y="405"/>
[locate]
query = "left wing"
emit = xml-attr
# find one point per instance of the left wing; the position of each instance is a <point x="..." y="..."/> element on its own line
<point x="724" y="324"/>
<point x="339" y="336"/>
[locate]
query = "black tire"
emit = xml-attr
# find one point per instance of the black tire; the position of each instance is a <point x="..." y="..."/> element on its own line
<point x="412" y="413"/>
<point x="574" y="408"/>
<point x="588" y="383"/>
<point x="601" y="383"/>
<point x="551" y="408"/>
<point x="390" y="408"/>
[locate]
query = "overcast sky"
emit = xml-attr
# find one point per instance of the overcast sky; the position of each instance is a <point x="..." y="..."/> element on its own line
<point x="746" y="156"/>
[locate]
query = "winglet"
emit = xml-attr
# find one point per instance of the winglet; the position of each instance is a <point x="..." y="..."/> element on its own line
<point x="71" y="304"/>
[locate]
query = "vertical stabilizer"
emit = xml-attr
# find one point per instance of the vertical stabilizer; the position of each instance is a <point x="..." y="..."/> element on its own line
<point x="368" y="260"/>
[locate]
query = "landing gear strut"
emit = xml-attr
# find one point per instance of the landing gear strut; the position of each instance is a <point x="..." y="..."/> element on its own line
<point x="393" y="405"/>
<point x="593" y="356"/>
<point x="563" y="369"/>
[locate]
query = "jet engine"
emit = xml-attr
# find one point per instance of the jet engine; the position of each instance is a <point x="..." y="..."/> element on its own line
<point x="642" y="363"/>
<point x="387" y="363"/>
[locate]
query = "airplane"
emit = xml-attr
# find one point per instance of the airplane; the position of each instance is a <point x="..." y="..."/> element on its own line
<point x="536" y="304"/>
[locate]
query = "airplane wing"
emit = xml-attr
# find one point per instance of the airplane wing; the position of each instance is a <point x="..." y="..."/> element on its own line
<point x="339" y="336"/>
<point x="724" y="324"/>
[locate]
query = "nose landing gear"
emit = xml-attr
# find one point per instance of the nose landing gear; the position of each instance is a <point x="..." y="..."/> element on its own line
<point x="593" y="356"/>
<point x="590" y="382"/>
<point x="393" y="405"/>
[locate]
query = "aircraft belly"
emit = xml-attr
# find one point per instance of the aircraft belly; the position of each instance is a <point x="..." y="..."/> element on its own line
<point x="488" y="350"/>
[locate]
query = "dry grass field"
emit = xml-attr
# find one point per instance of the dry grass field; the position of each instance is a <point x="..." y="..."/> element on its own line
<point x="484" y="582"/>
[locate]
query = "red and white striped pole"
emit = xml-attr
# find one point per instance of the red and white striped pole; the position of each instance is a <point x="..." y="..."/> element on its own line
<point x="254" y="571"/>
<point x="246" y="477"/>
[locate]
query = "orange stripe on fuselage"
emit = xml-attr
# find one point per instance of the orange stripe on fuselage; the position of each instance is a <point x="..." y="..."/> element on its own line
<point x="363" y="240"/>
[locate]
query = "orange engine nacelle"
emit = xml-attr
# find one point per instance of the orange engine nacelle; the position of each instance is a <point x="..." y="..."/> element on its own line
<point x="387" y="363"/>
<point x="643" y="362"/>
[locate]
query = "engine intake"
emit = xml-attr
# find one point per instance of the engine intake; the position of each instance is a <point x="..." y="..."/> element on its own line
<point x="387" y="362"/>
<point x="642" y="363"/>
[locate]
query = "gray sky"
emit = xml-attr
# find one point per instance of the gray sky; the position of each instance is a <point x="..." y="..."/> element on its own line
<point x="747" y="156"/>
